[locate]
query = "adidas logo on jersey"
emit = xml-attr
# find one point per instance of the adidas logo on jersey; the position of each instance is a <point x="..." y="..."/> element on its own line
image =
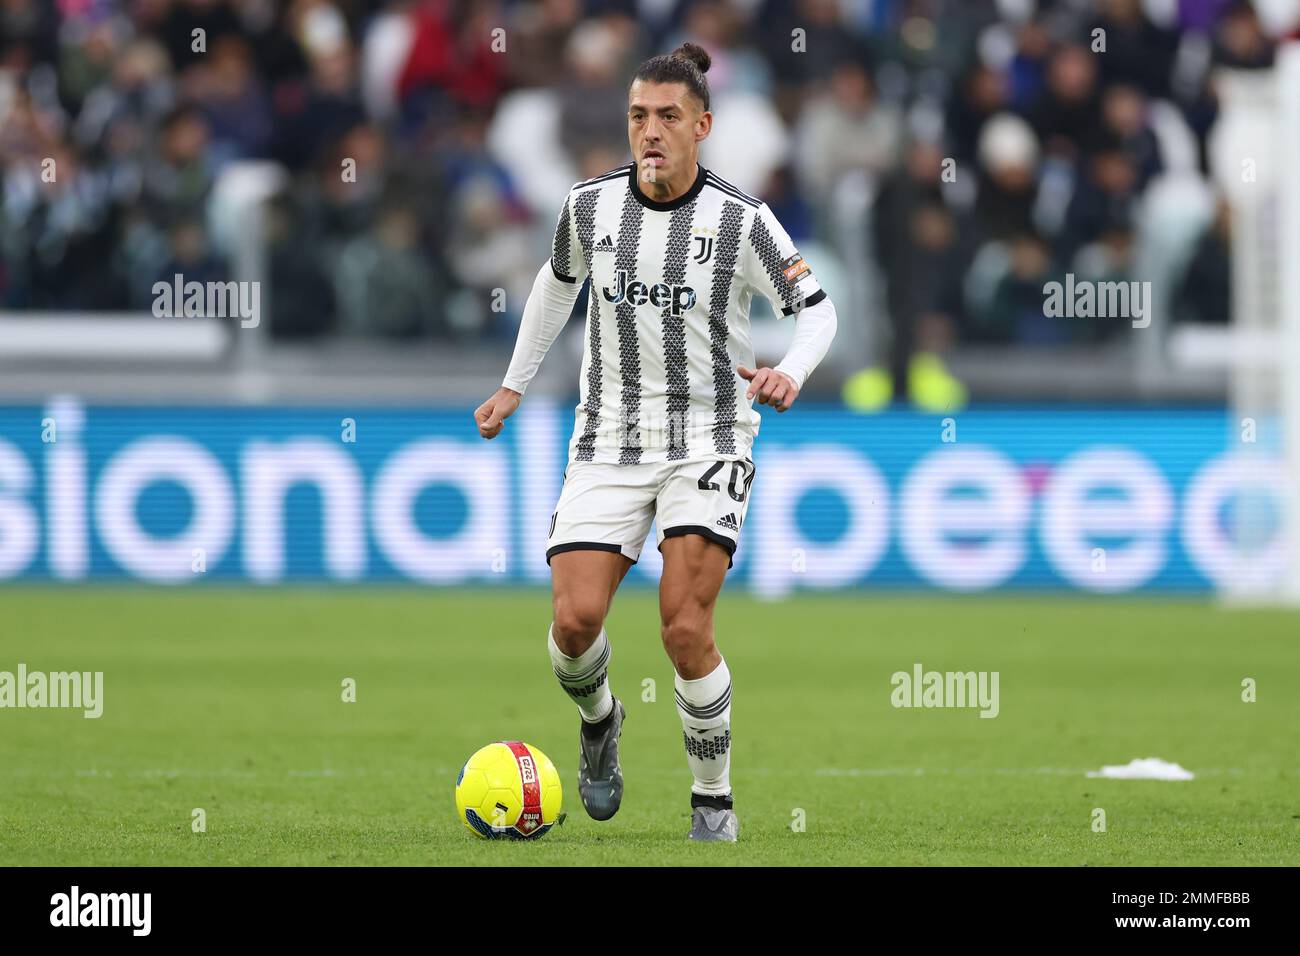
<point x="729" y="522"/>
<point x="605" y="245"/>
<point x="660" y="295"/>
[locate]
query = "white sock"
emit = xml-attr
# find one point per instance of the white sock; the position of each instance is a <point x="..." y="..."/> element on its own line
<point x="705" y="708"/>
<point x="584" y="678"/>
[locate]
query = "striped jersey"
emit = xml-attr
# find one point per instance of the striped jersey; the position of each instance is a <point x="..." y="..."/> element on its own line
<point x="668" y="314"/>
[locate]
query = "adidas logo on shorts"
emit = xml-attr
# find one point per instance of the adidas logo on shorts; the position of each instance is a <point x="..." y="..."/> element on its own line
<point x="729" y="522"/>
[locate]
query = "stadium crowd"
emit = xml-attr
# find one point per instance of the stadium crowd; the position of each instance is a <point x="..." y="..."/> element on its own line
<point x="1001" y="144"/>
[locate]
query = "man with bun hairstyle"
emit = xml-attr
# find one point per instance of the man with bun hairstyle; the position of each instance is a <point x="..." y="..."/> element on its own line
<point x="665" y="423"/>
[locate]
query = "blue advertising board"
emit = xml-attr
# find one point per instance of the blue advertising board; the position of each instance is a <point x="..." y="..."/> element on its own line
<point x="1103" y="500"/>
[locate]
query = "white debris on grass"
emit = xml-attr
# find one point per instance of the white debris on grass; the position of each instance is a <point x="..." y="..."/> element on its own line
<point x="1148" y="768"/>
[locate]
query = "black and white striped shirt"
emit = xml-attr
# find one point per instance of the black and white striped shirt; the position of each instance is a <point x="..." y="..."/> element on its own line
<point x="668" y="314"/>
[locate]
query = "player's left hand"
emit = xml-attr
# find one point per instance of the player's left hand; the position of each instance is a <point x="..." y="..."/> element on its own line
<point x="774" y="388"/>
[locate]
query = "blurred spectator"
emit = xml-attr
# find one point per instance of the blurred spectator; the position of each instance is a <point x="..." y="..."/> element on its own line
<point x="1067" y="115"/>
<point x="592" y="90"/>
<point x="314" y="110"/>
<point x="451" y="63"/>
<point x="1205" y="293"/>
<point x="302" y="302"/>
<point x="1014" y="313"/>
<point x="737" y="65"/>
<point x="1239" y="39"/>
<point x="917" y="243"/>
<point x="1137" y="51"/>
<point x="383" y="286"/>
<point x="539" y="30"/>
<point x="1107" y="260"/>
<point x="190" y="28"/>
<point x="28" y="34"/>
<point x="1126" y="125"/>
<point x="845" y="129"/>
<point x="190" y="256"/>
<point x="787" y="203"/>
<point x="179" y="176"/>
<point x="225" y="88"/>
<point x="981" y="94"/>
<point x="1105" y="200"/>
<point x="1008" y="187"/>
<point x="802" y="59"/>
<point x="61" y="246"/>
<point x="490" y="252"/>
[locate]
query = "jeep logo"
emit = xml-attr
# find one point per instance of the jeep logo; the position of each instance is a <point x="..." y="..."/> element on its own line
<point x="660" y="295"/>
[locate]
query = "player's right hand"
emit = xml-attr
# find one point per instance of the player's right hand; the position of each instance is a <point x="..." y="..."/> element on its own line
<point x="492" y="414"/>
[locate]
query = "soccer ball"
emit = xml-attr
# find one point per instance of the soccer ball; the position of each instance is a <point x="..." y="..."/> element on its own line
<point x="509" y="789"/>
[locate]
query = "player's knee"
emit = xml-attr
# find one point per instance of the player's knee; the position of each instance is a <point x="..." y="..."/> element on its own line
<point x="576" y="625"/>
<point x="687" y="638"/>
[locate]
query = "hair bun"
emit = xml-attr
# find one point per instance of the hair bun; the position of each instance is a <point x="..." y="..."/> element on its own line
<point x="695" y="54"/>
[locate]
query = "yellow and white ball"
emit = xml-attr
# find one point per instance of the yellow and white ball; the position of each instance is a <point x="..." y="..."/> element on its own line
<point x="510" y="790"/>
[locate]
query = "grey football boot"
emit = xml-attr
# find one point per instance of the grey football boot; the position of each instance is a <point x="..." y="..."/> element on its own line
<point x="713" y="820"/>
<point x="600" y="779"/>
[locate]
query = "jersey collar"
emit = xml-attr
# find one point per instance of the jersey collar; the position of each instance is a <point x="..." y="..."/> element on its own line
<point x="682" y="200"/>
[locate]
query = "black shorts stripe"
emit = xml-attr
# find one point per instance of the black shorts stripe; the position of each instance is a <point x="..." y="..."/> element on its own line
<point x="582" y="546"/>
<point x="700" y="529"/>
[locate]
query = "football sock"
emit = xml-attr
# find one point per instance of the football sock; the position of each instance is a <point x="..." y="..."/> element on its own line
<point x="584" y="678"/>
<point x="705" y="708"/>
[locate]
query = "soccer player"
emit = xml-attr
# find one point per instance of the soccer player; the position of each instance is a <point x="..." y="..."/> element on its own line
<point x="665" y="422"/>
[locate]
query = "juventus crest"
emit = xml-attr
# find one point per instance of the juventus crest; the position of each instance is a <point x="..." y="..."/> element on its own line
<point x="704" y="251"/>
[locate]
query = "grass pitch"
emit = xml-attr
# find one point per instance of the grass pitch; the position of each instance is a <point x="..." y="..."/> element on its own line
<point x="229" y="700"/>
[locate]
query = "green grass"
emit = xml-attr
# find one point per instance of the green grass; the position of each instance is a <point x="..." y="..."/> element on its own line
<point x="229" y="700"/>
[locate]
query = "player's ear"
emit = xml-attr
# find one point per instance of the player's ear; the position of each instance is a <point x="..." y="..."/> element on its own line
<point x="703" y="125"/>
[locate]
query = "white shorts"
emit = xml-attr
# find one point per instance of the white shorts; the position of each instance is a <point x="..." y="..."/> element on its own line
<point x="609" y="507"/>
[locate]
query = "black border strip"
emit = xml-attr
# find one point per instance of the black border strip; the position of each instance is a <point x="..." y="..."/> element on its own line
<point x="584" y="546"/>
<point x="681" y="529"/>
